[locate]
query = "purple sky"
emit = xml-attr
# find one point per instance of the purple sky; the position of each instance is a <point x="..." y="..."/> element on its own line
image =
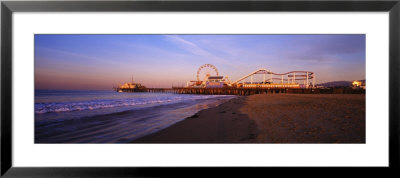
<point x="104" y="61"/>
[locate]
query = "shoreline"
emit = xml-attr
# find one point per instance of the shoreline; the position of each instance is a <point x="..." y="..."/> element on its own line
<point x="278" y="118"/>
<point x="230" y="126"/>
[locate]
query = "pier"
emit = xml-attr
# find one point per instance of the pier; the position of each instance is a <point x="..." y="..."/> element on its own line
<point x="299" y="82"/>
<point x="250" y="91"/>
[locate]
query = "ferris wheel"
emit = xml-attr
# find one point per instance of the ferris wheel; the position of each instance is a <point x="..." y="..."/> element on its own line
<point x="205" y="71"/>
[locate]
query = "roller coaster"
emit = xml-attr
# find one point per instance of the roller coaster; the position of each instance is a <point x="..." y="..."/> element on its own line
<point x="276" y="80"/>
<point x="292" y="79"/>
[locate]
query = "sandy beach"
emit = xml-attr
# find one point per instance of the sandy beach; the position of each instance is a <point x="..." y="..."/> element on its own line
<point x="278" y="118"/>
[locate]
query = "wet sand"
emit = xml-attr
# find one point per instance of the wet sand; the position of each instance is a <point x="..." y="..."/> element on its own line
<point x="278" y="118"/>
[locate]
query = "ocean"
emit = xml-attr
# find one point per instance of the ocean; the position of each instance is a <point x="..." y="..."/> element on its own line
<point x="102" y="116"/>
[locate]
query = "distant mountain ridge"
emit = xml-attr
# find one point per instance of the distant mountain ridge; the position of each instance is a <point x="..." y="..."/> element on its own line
<point x="338" y="84"/>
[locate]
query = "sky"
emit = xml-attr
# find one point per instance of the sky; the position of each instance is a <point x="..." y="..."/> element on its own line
<point x="100" y="62"/>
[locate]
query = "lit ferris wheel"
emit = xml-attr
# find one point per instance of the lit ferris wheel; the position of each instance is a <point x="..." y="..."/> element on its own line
<point x="205" y="71"/>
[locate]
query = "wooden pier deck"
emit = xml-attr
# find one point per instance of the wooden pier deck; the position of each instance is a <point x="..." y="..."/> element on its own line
<point x="250" y="91"/>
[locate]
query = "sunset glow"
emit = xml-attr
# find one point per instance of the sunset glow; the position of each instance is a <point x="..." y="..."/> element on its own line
<point x="99" y="62"/>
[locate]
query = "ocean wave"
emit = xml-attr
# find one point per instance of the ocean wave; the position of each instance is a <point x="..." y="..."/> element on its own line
<point x="41" y="108"/>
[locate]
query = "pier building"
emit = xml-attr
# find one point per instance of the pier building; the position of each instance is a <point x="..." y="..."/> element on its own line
<point x="130" y="87"/>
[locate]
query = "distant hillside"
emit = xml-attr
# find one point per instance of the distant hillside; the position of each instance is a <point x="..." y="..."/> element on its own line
<point x="338" y="84"/>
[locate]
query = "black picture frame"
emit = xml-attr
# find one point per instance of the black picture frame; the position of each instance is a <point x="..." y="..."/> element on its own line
<point x="8" y="7"/>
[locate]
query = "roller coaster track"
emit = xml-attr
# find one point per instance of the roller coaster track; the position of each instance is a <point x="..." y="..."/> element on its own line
<point x="293" y="74"/>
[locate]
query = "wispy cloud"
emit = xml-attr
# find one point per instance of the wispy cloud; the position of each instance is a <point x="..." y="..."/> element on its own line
<point x="194" y="49"/>
<point x="45" y="50"/>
